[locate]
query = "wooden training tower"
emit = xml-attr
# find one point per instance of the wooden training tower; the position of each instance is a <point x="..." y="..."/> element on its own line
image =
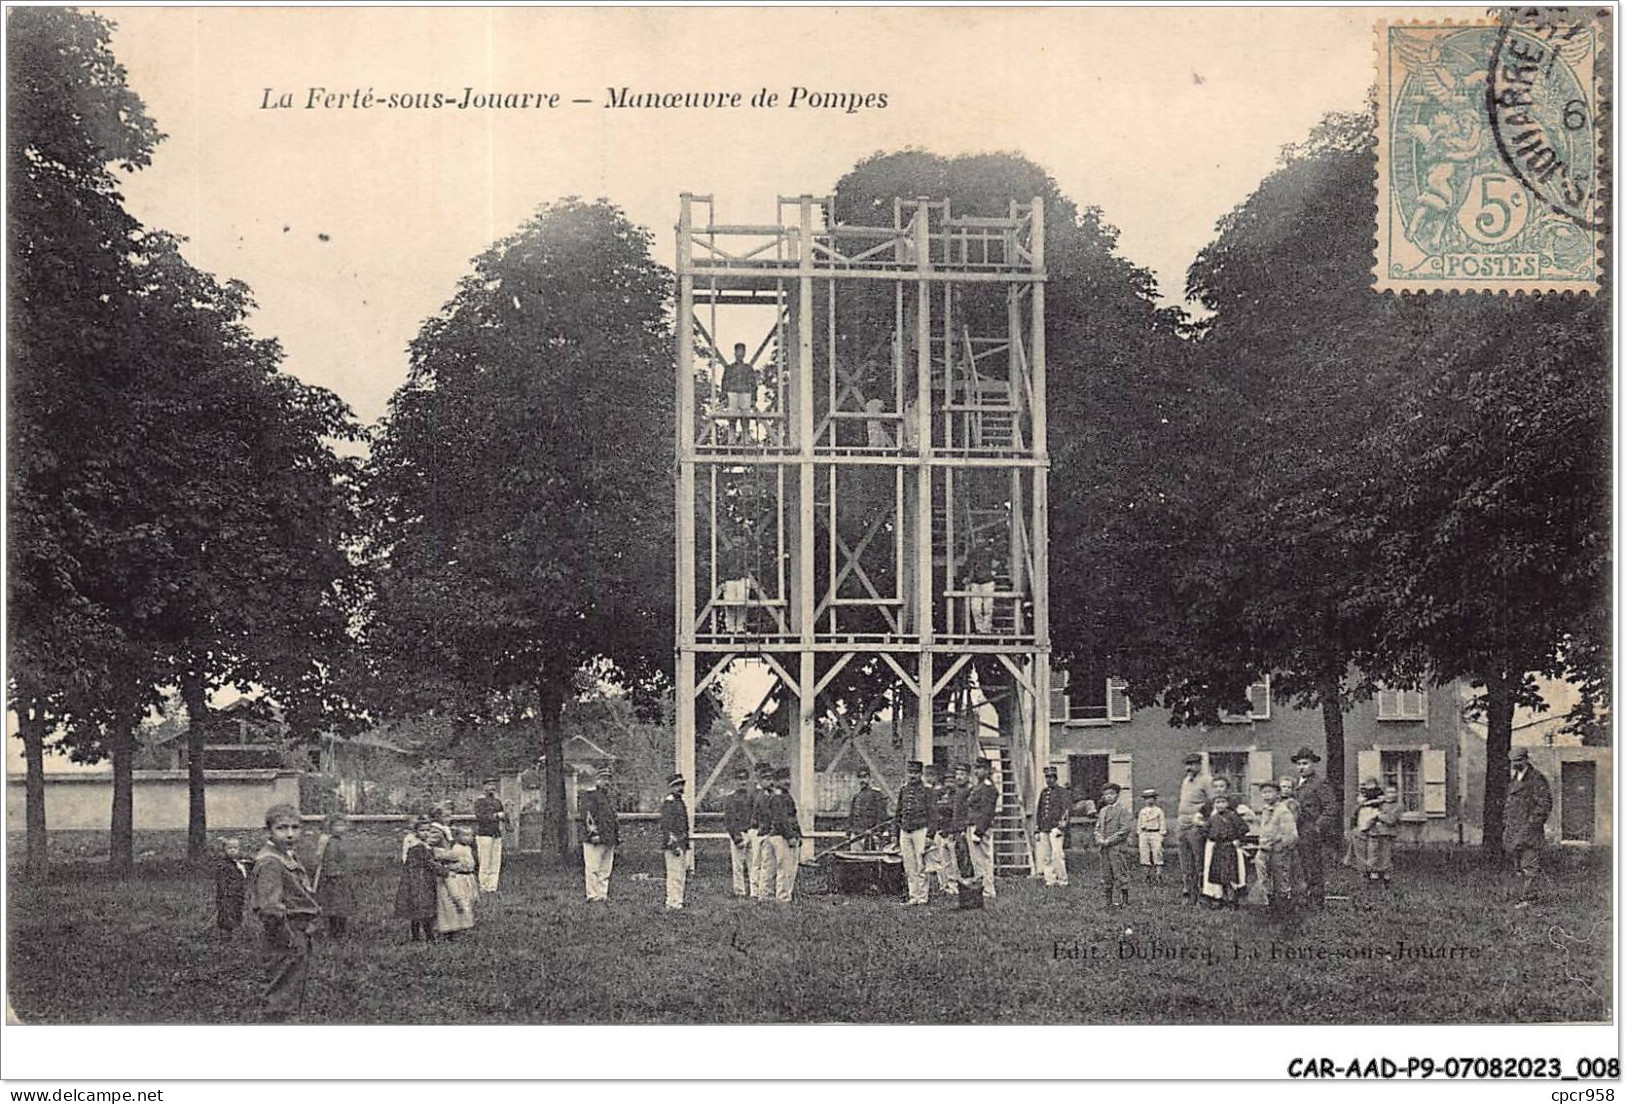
<point x="883" y="502"/>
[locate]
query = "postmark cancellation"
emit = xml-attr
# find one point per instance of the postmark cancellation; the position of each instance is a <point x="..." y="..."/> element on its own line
<point x="1491" y="169"/>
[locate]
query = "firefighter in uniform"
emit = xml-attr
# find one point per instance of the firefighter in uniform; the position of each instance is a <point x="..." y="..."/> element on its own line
<point x="761" y="818"/>
<point x="1054" y="808"/>
<point x="736" y="821"/>
<point x="784" y="837"/>
<point x="868" y="812"/>
<point x="913" y="826"/>
<point x="674" y="840"/>
<point x="981" y="805"/>
<point x="943" y="833"/>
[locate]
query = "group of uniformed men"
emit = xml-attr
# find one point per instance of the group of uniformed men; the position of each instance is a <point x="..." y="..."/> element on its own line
<point x="938" y="821"/>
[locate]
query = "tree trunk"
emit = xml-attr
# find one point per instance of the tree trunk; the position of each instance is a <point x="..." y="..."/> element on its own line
<point x="555" y="822"/>
<point x="121" y="844"/>
<point x="196" y="697"/>
<point x="1330" y="692"/>
<point x="31" y="724"/>
<point x="1498" y="708"/>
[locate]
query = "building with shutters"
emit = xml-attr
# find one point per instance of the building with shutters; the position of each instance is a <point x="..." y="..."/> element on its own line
<point x="1410" y="738"/>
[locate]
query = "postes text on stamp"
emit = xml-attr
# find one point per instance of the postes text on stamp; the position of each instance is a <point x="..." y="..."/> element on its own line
<point x="1490" y="166"/>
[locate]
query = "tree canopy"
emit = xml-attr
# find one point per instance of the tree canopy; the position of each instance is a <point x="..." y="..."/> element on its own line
<point x="519" y="490"/>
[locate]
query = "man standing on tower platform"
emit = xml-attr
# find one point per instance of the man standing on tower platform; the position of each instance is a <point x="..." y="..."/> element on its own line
<point x="1320" y="818"/>
<point x="1054" y="808"/>
<point x="981" y="805"/>
<point x="867" y="812"/>
<point x="736" y="821"/>
<point x="600" y="835"/>
<point x="913" y="824"/>
<point x="739" y="385"/>
<point x="674" y="840"/>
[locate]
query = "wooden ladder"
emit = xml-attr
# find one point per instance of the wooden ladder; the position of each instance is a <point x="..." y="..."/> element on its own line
<point x="1012" y="847"/>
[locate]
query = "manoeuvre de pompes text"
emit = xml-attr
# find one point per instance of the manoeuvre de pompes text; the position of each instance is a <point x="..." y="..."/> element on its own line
<point x="468" y="98"/>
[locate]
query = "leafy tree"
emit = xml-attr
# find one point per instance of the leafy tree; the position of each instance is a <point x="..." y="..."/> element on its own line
<point x="71" y="120"/>
<point x="520" y="485"/>
<point x="178" y="515"/>
<point x="1312" y="356"/>
<point x="1500" y="549"/>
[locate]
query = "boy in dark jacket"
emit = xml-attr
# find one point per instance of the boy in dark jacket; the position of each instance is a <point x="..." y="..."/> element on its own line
<point x="286" y="907"/>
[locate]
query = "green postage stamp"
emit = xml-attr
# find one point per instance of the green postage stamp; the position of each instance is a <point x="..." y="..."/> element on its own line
<point x="1491" y="171"/>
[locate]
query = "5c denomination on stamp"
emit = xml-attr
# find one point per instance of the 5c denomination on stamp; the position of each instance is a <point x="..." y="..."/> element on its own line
<point x="1490" y="164"/>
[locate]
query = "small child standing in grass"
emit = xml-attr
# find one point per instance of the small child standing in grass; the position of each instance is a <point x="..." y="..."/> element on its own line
<point x="416" y="892"/>
<point x="456" y="888"/>
<point x="1225" y="872"/>
<point x="333" y="889"/>
<point x="286" y="908"/>
<point x="1151" y="826"/>
<point x="231" y="872"/>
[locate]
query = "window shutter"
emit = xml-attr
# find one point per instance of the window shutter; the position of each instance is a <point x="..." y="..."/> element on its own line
<point x="1260" y="769"/>
<point x="1258" y="697"/>
<point x="1117" y="703"/>
<point x="1433" y="780"/>
<point x="1120" y="769"/>
<point x="1369" y="763"/>
<point x="1387" y="705"/>
<point x="1414" y="704"/>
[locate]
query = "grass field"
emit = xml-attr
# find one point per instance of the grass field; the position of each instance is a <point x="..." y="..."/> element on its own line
<point x="88" y="949"/>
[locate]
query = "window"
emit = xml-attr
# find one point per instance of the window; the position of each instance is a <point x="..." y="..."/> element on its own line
<point x="1258" y="704"/>
<point x="1402" y="705"/>
<point x="1086" y="702"/>
<point x="1419" y="772"/>
<point x="1403" y="770"/>
<point x="1231" y="766"/>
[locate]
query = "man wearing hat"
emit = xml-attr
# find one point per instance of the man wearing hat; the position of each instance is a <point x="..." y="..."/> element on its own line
<point x="1113" y="828"/>
<point x="867" y="812"/>
<point x="783" y="841"/>
<point x="1195" y="790"/>
<point x="1054" y="808"/>
<point x="1149" y="828"/>
<point x="761" y="818"/>
<point x="945" y="798"/>
<point x="674" y="840"/>
<point x="489" y="818"/>
<point x="913" y="823"/>
<point x="600" y="835"/>
<point x="1523" y="829"/>
<point x="1320" y="819"/>
<point x="736" y="821"/>
<point x="981" y="805"/>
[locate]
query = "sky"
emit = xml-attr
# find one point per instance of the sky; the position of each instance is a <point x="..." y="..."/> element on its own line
<point x="353" y="226"/>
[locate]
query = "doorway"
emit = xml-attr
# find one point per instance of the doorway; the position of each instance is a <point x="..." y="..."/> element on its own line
<point x="1579" y="816"/>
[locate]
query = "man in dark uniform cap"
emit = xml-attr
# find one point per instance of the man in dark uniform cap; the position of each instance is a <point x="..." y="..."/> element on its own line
<point x="761" y="818"/>
<point x="867" y="812"/>
<point x="736" y="821"/>
<point x="943" y="832"/>
<point x="981" y="805"/>
<point x="784" y="837"/>
<point x="1054" y="808"/>
<point x="600" y="834"/>
<point x="674" y="837"/>
<point x="1320" y="818"/>
<point x="913" y="824"/>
